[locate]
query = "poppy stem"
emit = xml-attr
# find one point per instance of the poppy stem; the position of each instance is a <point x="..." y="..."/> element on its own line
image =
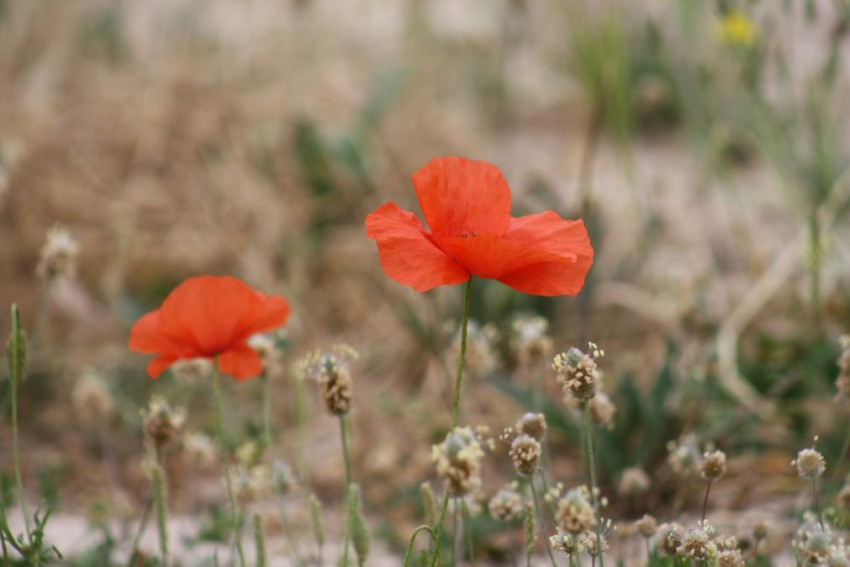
<point x="343" y="433"/>
<point x="219" y="428"/>
<point x="462" y="360"/>
<point x="594" y="488"/>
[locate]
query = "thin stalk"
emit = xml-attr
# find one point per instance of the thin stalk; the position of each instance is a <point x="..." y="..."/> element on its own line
<point x="705" y="500"/>
<point x="219" y="428"/>
<point x="267" y="410"/>
<point x="16" y="455"/>
<point x="108" y="463"/>
<point x="412" y="540"/>
<point x="467" y="527"/>
<point x="287" y="532"/>
<point x="467" y="296"/>
<point x="817" y="502"/>
<point x="539" y="513"/>
<point x="3" y="525"/>
<point x="649" y="550"/>
<point x="143" y="523"/>
<point x="594" y="488"/>
<point x="455" y="510"/>
<point x="836" y="471"/>
<point x="343" y="433"/>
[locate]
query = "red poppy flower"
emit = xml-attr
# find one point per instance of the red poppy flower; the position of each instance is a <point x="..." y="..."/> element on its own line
<point x="206" y="317"/>
<point x="467" y="205"/>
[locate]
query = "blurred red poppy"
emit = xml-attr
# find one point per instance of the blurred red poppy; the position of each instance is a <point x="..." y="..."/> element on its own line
<point x="207" y="317"/>
<point x="467" y="205"/>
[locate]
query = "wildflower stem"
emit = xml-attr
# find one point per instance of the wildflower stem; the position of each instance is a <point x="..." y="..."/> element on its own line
<point x="839" y="464"/>
<point x="817" y="502"/>
<point x="539" y="513"/>
<point x="439" y="539"/>
<point x="16" y="455"/>
<point x="287" y="531"/>
<point x="343" y="433"/>
<point x="814" y="267"/>
<point x="594" y="488"/>
<point x="705" y="500"/>
<point x="143" y="523"/>
<point x="259" y="541"/>
<point x="462" y="359"/>
<point x="219" y="428"/>
<point x="455" y="408"/>
<point x="267" y="410"/>
<point x="467" y="527"/>
<point x="455" y="510"/>
<point x="412" y="540"/>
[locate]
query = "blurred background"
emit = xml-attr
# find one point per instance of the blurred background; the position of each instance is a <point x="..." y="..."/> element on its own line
<point x="703" y="143"/>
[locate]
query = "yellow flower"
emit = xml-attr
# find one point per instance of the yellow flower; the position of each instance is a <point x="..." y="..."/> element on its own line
<point x="736" y="29"/>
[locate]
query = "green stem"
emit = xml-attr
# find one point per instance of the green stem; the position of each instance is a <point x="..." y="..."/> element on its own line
<point x="467" y="527"/>
<point x="705" y="500"/>
<point x="287" y="532"/>
<point x="219" y="429"/>
<point x="817" y="503"/>
<point x="462" y="360"/>
<point x="142" y="525"/>
<point x="594" y="488"/>
<point x="539" y="513"/>
<point x="836" y="470"/>
<point x="412" y="540"/>
<point x="467" y="296"/>
<point x="343" y="433"/>
<point x="16" y="455"/>
<point x="267" y="410"/>
<point x="455" y="510"/>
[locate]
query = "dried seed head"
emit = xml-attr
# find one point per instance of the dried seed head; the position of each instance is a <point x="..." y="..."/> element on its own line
<point x="602" y="410"/>
<point x="633" y="482"/>
<point x="200" y="449"/>
<point x="590" y="542"/>
<point x="250" y="453"/>
<point x="283" y="478"/>
<point x="330" y="370"/>
<point x="683" y="456"/>
<point x="713" y="465"/>
<point x="697" y="543"/>
<point x="525" y="453"/>
<point x="506" y="504"/>
<point x="730" y="558"/>
<point x="577" y="373"/>
<point x="458" y="460"/>
<point x="669" y="536"/>
<point x="58" y="255"/>
<point x="761" y="529"/>
<point x="265" y="346"/>
<point x="646" y="526"/>
<point x="809" y="463"/>
<point x="91" y="399"/>
<point x="574" y="513"/>
<point x="812" y="544"/>
<point x="161" y="422"/>
<point x="192" y="370"/>
<point x="530" y="340"/>
<point x="567" y="543"/>
<point x="250" y="484"/>
<point x="533" y="425"/>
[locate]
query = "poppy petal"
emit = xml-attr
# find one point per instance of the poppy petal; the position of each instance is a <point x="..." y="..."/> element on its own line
<point x="550" y="278"/>
<point x="273" y="313"/>
<point x="241" y="362"/>
<point x="158" y="365"/>
<point x="208" y="311"/>
<point x="491" y="256"/>
<point x="461" y="197"/>
<point x="568" y="240"/>
<point x="407" y="254"/>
